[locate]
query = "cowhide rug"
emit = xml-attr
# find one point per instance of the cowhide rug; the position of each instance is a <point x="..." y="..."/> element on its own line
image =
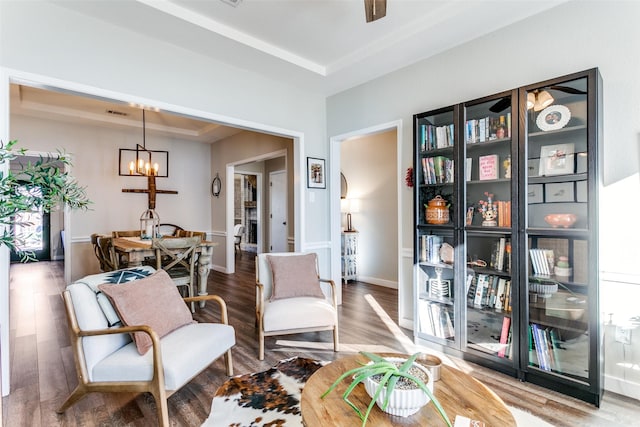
<point x="269" y="398"/>
<point x="272" y="398"/>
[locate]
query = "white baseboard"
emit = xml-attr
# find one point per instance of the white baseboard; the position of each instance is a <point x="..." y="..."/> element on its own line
<point x="378" y="282"/>
<point x="219" y="268"/>
<point x="621" y="386"/>
<point x="406" y="323"/>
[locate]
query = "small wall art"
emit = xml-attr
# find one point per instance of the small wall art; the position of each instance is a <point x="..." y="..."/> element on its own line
<point x="316" y="173"/>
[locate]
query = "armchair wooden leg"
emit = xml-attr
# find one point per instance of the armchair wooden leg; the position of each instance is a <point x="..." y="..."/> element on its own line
<point x="261" y="344"/>
<point x="229" y="362"/>
<point x="162" y="407"/>
<point x="77" y="394"/>
<point x="336" y="344"/>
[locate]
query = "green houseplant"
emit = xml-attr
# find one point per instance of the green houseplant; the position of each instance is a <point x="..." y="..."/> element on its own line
<point x="387" y="374"/>
<point x="56" y="188"/>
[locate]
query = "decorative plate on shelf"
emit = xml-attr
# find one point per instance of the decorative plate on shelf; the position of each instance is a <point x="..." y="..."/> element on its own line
<point x="553" y="117"/>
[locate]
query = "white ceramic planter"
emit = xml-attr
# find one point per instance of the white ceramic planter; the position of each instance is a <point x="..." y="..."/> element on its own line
<point x="402" y="402"/>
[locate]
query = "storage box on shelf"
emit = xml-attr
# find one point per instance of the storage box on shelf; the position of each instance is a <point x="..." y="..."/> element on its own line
<point x="522" y="202"/>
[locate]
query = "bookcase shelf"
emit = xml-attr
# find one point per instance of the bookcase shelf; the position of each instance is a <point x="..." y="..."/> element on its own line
<point x="500" y="302"/>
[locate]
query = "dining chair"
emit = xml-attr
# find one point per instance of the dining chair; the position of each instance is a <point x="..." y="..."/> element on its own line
<point x="103" y="248"/>
<point x="238" y="230"/>
<point x="126" y="233"/>
<point x="189" y="233"/>
<point x="177" y="256"/>
<point x="168" y="229"/>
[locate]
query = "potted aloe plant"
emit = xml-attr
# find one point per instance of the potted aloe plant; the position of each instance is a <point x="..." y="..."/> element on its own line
<point x="56" y="187"/>
<point x="383" y="378"/>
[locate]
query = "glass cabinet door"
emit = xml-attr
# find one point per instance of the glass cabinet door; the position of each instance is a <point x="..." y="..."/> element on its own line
<point x="435" y="219"/>
<point x="558" y="228"/>
<point x="489" y="136"/>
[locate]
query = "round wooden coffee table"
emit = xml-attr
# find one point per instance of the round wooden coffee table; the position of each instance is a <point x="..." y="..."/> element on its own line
<point x="459" y="394"/>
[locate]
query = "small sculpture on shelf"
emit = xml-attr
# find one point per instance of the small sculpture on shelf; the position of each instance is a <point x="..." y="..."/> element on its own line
<point x="489" y="211"/>
<point x="507" y="167"/>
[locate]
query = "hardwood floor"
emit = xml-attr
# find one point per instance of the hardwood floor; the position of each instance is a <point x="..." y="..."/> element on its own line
<point x="42" y="369"/>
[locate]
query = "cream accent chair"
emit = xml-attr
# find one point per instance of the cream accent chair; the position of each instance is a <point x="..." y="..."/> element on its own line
<point x="296" y="314"/>
<point x="106" y="359"/>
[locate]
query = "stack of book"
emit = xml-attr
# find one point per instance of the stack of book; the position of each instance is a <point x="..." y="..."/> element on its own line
<point x="436" y="319"/>
<point x="542" y="261"/>
<point x="504" y="213"/>
<point x="486" y="129"/>
<point x="430" y="248"/>
<point x="432" y="137"/>
<point x="437" y="170"/>
<point x="545" y="342"/>
<point x="501" y="255"/>
<point x="489" y="291"/>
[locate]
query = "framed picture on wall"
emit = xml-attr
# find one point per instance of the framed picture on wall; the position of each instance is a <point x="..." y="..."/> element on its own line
<point x="316" y="173"/>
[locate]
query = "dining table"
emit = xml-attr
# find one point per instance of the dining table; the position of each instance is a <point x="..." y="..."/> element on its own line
<point x="135" y="250"/>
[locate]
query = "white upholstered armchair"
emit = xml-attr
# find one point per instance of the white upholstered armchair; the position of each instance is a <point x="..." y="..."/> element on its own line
<point x="291" y="298"/>
<point x="146" y="304"/>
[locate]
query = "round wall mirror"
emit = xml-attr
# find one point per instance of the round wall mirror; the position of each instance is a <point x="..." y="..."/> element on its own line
<point x="343" y="186"/>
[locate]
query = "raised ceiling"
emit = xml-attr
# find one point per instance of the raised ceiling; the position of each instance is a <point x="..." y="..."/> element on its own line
<point x="320" y="45"/>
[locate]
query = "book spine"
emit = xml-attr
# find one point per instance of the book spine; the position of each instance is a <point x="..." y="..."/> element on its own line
<point x="555" y="344"/>
<point x="500" y="298"/>
<point x="504" y="334"/>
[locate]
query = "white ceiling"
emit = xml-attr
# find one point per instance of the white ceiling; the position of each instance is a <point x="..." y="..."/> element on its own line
<point x="320" y="45"/>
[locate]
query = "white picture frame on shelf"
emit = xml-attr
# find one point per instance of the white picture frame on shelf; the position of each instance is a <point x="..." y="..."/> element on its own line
<point x="535" y="194"/>
<point x="557" y="159"/>
<point x="556" y="192"/>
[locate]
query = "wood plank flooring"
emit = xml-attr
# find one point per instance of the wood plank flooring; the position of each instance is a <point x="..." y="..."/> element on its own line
<point x="42" y="370"/>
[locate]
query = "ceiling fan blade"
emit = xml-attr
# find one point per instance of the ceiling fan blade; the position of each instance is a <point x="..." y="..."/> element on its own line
<point x="501" y="105"/>
<point x="568" y="89"/>
<point x="375" y="9"/>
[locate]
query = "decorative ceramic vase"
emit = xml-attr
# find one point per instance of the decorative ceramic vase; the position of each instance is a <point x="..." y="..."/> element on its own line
<point x="436" y="211"/>
<point x="402" y="402"/>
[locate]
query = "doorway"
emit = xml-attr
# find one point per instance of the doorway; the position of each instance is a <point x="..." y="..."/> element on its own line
<point x="278" y="212"/>
<point x="374" y="192"/>
<point x="32" y="231"/>
<point x="245" y="212"/>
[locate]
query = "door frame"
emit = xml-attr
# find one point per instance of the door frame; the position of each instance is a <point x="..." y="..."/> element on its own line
<point x="334" y="207"/>
<point x="259" y="206"/>
<point x="230" y="266"/>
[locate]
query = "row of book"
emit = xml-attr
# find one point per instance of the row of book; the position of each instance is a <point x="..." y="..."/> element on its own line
<point x="504" y="213"/>
<point x="489" y="291"/>
<point x="432" y="137"/>
<point x="488" y="129"/>
<point x="501" y="255"/>
<point x="430" y="248"/>
<point x="435" y="319"/>
<point x="545" y="344"/>
<point x="437" y="170"/>
<point x="542" y="261"/>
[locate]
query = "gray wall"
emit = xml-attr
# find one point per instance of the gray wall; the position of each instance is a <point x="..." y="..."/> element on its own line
<point x="572" y="37"/>
<point x="369" y="166"/>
